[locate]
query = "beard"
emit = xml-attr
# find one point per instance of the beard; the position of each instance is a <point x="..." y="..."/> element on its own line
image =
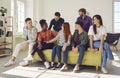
<point x="81" y="16"/>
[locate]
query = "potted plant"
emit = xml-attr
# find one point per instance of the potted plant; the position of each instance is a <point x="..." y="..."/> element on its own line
<point x="3" y="11"/>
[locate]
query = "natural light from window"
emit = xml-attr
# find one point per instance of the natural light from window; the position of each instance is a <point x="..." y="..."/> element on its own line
<point x="20" y="8"/>
<point x="117" y="17"/>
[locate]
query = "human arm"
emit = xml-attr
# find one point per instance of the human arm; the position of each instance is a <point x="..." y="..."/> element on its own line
<point x="102" y="40"/>
<point x="91" y="38"/>
<point x="39" y="40"/>
<point x="54" y="39"/>
<point x="66" y="44"/>
<point x="84" y="39"/>
<point x="51" y="24"/>
<point x="32" y="34"/>
<point x="91" y="43"/>
<point x="25" y="32"/>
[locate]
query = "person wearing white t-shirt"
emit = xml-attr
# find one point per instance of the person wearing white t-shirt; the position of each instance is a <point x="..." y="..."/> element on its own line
<point x="97" y="35"/>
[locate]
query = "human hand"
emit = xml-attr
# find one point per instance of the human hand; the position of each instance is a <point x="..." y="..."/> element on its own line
<point x="101" y="49"/>
<point x="75" y="50"/>
<point x="92" y="50"/>
<point x="39" y="46"/>
<point x="63" y="48"/>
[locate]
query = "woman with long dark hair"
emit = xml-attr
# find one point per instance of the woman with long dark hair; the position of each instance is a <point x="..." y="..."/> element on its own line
<point x="64" y="36"/>
<point x="97" y="35"/>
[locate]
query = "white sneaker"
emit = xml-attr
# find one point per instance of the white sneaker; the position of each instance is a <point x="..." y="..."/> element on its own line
<point x="28" y="58"/>
<point x="64" y="67"/>
<point x="52" y="64"/>
<point x="58" y="65"/>
<point x="104" y="70"/>
<point x="47" y="65"/>
<point x="24" y="63"/>
<point x="9" y="63"/>
<point x="76" y="68"/>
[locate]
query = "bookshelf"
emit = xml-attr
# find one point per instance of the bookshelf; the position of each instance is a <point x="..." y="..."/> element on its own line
<point x="6" y="35"/>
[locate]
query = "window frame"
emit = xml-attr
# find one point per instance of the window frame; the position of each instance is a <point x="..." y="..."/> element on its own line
<point x="20" y="11"/>
<point x="114" y="16"/>
<point x="15" y="15"/>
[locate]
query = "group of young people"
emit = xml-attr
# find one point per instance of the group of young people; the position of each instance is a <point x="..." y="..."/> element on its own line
<point x="89" y="32"/>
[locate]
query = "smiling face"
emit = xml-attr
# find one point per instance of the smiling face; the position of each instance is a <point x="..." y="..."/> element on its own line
<point x="95" y="21"/>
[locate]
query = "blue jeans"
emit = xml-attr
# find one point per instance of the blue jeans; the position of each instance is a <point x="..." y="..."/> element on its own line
<point x="81" y="50"/>
<point x="65" y="54"/>
<point x="56" y="51"/>
<point x="106" y="54"/>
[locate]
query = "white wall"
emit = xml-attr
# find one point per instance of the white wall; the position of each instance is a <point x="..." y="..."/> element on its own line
<point x="38" y="11"/>
<point x="29" y="8"/>
<point x="69" y="10"/>
<point x="6" y="4"/>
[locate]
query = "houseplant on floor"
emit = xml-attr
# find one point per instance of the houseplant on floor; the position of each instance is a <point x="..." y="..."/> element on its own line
<point x="3" y="11"/>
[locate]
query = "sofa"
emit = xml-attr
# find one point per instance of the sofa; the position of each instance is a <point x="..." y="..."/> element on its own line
<point x="90" y="59"/>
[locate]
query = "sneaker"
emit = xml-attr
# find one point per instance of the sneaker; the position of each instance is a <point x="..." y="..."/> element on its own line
<point x="58" y="65"/>
<point x="53" y="68"/>
<point x="9" y="63"/>
<point x="52" y="64"/>
<point x="64" y="67"/>
<point x="76" y="68"/>
<point x="24" y="63"/>
<point x="104" y="70"/>
<point x="28" y="58"/>
<point x="47" y="65"/>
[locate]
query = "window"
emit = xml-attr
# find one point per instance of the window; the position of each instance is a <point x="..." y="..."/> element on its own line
<point x="20" y="15"/>
<point x="12" y="7"/>
<point x="117" y="16"/>
<point x="18" y="12"/>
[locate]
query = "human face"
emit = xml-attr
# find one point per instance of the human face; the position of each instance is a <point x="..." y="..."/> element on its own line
<point x="29" y="23"/>
<point x="81" y="14"/>
<point x="57" y="18"/>
<point x="45" y="26"/>
<point x="95" y="21"/>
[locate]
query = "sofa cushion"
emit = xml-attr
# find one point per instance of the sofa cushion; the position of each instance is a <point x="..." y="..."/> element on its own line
<point x="92" y="59"/>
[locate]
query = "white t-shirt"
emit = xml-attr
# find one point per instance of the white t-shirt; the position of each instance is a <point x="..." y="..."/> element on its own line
<point x="100" y="32"/>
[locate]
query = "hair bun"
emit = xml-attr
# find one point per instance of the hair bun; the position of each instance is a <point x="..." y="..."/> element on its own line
<point x="42" y="21"/>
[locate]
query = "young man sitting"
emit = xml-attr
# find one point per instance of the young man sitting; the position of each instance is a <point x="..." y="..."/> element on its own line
<point x="40" y="45"/>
